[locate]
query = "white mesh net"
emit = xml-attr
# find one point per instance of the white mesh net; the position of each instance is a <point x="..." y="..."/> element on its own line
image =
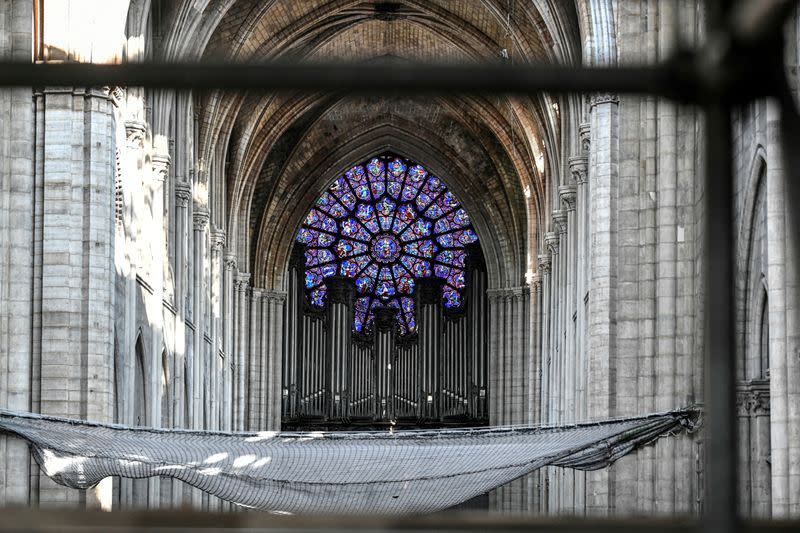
<point x="331" y="472"/>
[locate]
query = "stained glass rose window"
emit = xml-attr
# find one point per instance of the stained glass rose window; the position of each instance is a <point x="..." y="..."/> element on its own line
<point x="384" y="223"/>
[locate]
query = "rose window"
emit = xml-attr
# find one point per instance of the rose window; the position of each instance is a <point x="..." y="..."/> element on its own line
<point x="384" y="223"/>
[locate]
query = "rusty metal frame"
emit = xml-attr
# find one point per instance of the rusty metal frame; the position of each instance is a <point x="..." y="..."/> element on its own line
<point x="742" y="59"/>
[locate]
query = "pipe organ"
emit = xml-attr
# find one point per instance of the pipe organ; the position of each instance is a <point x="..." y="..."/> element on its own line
<point x="335" y="377"/>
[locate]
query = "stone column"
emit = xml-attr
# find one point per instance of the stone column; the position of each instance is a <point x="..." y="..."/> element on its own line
<point x="182" y="292"/>
<point x="276" y="344"/>
<point x="200" y="219"/>
<point x="20" y="211"/>
<point x="551" y="241"/>
<point x="240" y="359"/>
<point x="578" y="169"/>
<point x="77" y="263"/>
<point x="217" y="363"/>
<point x="604" y="156"/>
<point x="228" y="340"/>
<point x="338" y="343"/>
<point x="256" y="364"/>
<point x="429" y="338"/>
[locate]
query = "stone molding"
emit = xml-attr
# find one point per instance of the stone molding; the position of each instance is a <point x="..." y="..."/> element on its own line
<point x="579" y="167"/>
<point x="256" y="294"/>
<point x="273" y="295"/>
<point x="200" y="218"/>
<point x="584" y="130"/>
<point x="752" y="398"/>
<point x="567" y="194"/>
<point x="536" y="282"/>
<point x="559" y="221"/>
<point x="509" y="293"/>
<point x="551" y="240"/>
<point x="603" y="98"/>
<point x="183" y="193"/>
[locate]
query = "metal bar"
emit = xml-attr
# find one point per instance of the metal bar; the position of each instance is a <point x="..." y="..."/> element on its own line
<point x="720" y="486"/>
<point x="669" y="79"/>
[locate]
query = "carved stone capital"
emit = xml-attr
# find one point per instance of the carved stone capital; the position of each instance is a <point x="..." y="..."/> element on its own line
<point x="341" y="290"/>
<point x="135" y="133"/>
<point x="560" y="221"/>
<point x="274" y="296"/>
<point x="256" y="294"/>
<point x="536" y="282"/>
<point x="217" y="239"/>
<point x="579" y="167"/>
<point x="599" y="98"/>
<point x="160" y="163"/>
<point x="567" y="195"/>
<point x="429" y="290"/>
<point x="229" y="262"/>
<point x="242" y="281"/>
<point x="183" y="193"/>
<point x="545" y="261"/>
<point x="200" y="218"/>
<point x="584" y="130"/>
<point x="551" y="240"/>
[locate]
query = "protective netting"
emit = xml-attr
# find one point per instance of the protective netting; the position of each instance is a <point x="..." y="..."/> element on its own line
<point x="331" y="472"/>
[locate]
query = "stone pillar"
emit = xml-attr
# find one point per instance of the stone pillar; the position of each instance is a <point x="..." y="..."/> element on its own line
<point x="578" y="169"/>
<point x="20" y="211"/>
<point x="429" y="338"/>
<point x="275" y="346"/>
<point x="338" y="344"/>
<point x="603" y="160"/>
<point x="182" y="292"/>
<point x="77" y="262"/>
<point x="240" y="359"/>
<point x="217" y="362"/>
<point x="508" y="310"/>
<point x="228" y="340"/>
<point x="196" y="361"/>
<point x="256" y="366"/>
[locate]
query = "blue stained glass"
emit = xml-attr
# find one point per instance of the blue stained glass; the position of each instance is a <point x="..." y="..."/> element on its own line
<point x="452" y="257"/>
<point x="378" y="186"/>
<point x="397" y="167"/>
<point x="316" y="256"/>
<point x="434" y="211"/>
<point x="456" y="278"/>
<point x="351" y="267"/>
<point x="375" y="167"/>
<point x="351" y="228"/>
<point x="382" y="245"/>
<point x="366" y="214"/>
<point x="346" y="248"/>
<point x="394" y="188"/>
<point x="416" y="174"/>
<point x="318" y="296"/>
<point x="451" y="298"/>
<point x="422" y="228"/>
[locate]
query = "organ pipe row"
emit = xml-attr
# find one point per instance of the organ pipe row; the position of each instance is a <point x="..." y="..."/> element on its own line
<point x="336" y="377"/>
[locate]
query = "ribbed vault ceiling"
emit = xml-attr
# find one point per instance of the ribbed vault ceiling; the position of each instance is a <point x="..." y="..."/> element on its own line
<point x="282" y="150"/>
